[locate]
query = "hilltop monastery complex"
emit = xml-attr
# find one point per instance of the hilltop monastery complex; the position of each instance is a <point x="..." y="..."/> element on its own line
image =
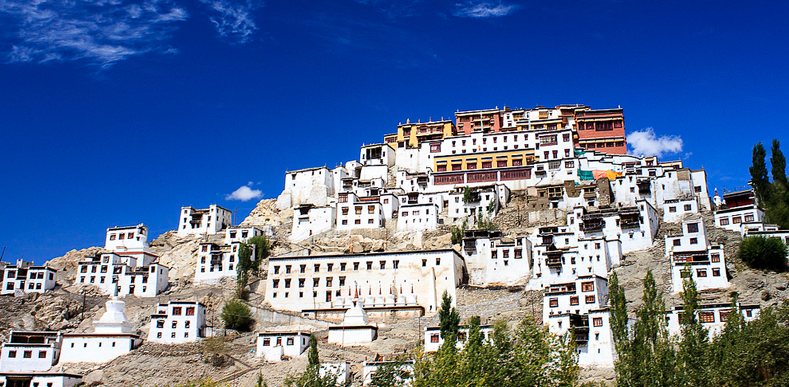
<point x="588" y="200"/>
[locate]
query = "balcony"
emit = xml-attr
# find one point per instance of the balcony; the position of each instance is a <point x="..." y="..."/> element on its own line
<point x="554" y="261"/>
<point x="629" y="224"/>
<point x="592" y="226"/>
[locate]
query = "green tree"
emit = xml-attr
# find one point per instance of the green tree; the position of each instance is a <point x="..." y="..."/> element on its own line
<point x="311" y="376"/>
<point x="236" y="315"/>
<point x="763" y="253"/>
<point x="391" y="374"/>
<point x="467" y="195"/>
<point x="262" y="249"/>
<point x="694" y="352"/>
<point x="449" y="319"/>
<point x="243" y="266"/>
<point x="620" y="332"/>
<point x="758" y="170"/>
<point x="778" y="164"/>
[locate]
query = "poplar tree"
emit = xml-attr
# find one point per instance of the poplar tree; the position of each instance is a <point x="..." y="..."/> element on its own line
<point x="778" y="164"/>
<point x="694" y="349"/>
<point x="759" y="180"/>
<point x="619" y="331"/>
<point x="449" y="319"/>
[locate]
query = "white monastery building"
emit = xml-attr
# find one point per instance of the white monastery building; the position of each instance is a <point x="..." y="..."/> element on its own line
<point x="26" y="278"/>
<point x="208" y="221"/>
<point x="692" y="256"/>
<point x="177" y="322"/>
<point x="274" y="346"/>
<point x="112" y="337"/>
<point x="30" y="351"/>
<point x="215" y="261"/>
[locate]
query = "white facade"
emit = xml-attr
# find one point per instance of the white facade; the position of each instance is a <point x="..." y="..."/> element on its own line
<point x="384" y="280"/>
<point x="592" y="334"/>
<point x="26" y="278"/>
<point x="736" y="208"/>
<point x="635" y="227"/>
<point x="712" y="317"/>
<point x="577" y="297"/>
<point x="112" y="337"/>
<point x="215" y="262"/>
<point x="417" y="217"/>
<point x="309" y="221"/>
<point x="122" y="275"/>
<point x="675" y="210"/>
<point x="273" y="346"/>
<point x="692" y="256"/>
<point x="30" y="351"/>
<point x="433" y="339"/>
<point x="208" y="221"/>
<point x="177" y="322"/>
<point x="40" y="379"/>
<point x="355" y="328"/>
<point x="127" y="239"/>
<point x="341" y="371"/>
<point x="307" y="186"/>
<point x="560" y="257"/>
<point x="361" y="214"/>
<point x="495" y="261"/>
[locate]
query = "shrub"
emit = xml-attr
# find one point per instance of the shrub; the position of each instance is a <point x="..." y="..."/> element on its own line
<point x="236" y="315"/>
<point x="763" y="253"/>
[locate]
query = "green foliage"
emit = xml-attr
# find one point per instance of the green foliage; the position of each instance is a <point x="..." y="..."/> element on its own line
<point x="391" y="374"/>
<point x="467" y="195"/>
<point x="491" y="207"/>
<point x="236" y="315"/>
<point x="529" y="356"/>
<point x="262" y="249"/>
<point x="758" y="170"/>
<point x="311" y="376"/>
<point x="752" y="354"/>
<point x="693" y="355"/>
<point x="763" y="253"/>
<point x="449" y="319"/>
<point x="213" y="350"/>
<point x="260" y="246"/>
<point x="260" y="382"/>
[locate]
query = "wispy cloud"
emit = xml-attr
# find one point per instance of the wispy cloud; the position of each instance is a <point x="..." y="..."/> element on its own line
<point x="483" y="9"/>
<point x="646" y="143"/>
<point x="233" y="19"/>
<point x="102" y="32"/>
<point x="245" y="193"/>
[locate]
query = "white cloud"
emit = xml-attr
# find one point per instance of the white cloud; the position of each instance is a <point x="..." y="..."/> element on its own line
<point x="244" y="193"/>
<point x="483" y="9"/>
<point x="100" y="32"/>
<point x="646" y="143"/>
<point x="234" y="20"/>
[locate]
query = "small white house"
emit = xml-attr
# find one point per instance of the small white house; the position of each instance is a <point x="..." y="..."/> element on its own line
<point x="125" y="239"/>
<point x="274" y="346"/>
<point x="30" y="351"/>
<point x="39" y="379"/>
<point x="208" y="221"/>
<point x="675" y="210"/>
<point x="27" y="278"/>
<point x="417" y="217"/>
<point x="132" y="274"/>
<point x="736" y="208"/>
<point x="177" y="322"/>
<point x="341" y="371"/>
<point x="592" y="334"/>
<point x="112" y="337"/>
<point x="493" y="260"/>
<point x="309" y="220"/>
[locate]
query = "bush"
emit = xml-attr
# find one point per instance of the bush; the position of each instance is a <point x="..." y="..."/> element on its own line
<point x="237" y="315"/>
<point x="763" y="253"/>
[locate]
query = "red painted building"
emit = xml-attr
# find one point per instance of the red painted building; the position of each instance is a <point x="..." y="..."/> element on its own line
<point x="485" y="121"/>
<point x="601" y="130"/>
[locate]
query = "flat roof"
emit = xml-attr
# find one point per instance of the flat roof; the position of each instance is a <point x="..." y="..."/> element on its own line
<point x="371" y="253"/>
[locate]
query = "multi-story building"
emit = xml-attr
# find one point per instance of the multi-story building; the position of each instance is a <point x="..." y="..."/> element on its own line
<point x="602" y="130"/>
<point x="309" y="220"/>
<point x="560" y="256"/>
<point x="370" y="367"/>
<point x="693" y="256"/>
<point x="323" y="286"/>
<point x="177" y="322"/>
<point x="675" y="210"/>
<point x="215" y="261"/>
<point x="480" y="121"/>
<point x="26" y="278"/>
<point x="207" y="221"/>
<point x="129" y="267"/>
<point x="30" y="351"/>
<point x="635" y="226"/>
<point x="493" y="260"/>
<point x="48" y="379"/>
<point x="737" y="208"/>
<point x="711" y="316"/>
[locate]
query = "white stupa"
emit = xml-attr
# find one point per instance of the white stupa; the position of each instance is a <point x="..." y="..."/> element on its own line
<point x="113" y="320"/>
<point x="355" y="328"/>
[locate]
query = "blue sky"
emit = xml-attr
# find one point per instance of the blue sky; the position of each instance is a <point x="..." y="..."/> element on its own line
<point x="120" y="112"/>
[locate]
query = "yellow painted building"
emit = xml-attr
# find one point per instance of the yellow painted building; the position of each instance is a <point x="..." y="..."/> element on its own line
<point x="483" y="161"/>
<point x="412" y="134"/>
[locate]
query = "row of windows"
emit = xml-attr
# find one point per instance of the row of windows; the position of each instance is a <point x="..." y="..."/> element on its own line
<point x="716" y="272"/>
<point x="122" y="236"/>
<point x="27" y="354"/>
<point x="31" y="275"/>
<point x="289" y="341"/>
<point x="687" y="207"/>
<point x="172" y="335"/>
<point x="736" y="219"/>
<point x="133" y="279"/>
<point x="554" y="302"/>
<point x="218" y="268"/>
<point x="358" y="209"/>
<point x="344" y="266"/>
<point x="160" y="324"/>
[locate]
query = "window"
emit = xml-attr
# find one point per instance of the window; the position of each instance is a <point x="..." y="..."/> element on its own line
<point x="266" y="342"/>
<point x="749" y="218"/>
<point x="672" y="209"/>
<point x="289" y="341"/>
<point x="494" y="254"/>
<point x="287" y="269"/>
<point x="172" y="335"/>
<point x="317" y="267"/>
<point x="190" y="311"/>
<point x="693" y="227"/>
<point x="160" y="323"/>
<point x="724" y="221"/>
<point x="597" y="321"/>
<point x="303" y="269"/>
<point x="328" y="282"/>
<point x="358" y="210"/>
<point x="28" y="354"/>
<point x="316" y="282"/>
<point x="342" y="266"/>
<point x="275" y="283"/>
<point x="676" y="242"/>
<point x="587" y="287"/>
<point x="736" y="219"/>
<point x="176" y="311"/>
<point x="590" y="299"/>
<point x="707" y="317"/>
<point x="301" y="282"/>
<point x="688" y="207"/>
<point x="574" y="300"/>
<point x="438" y="261"/>
<point x="12" y="354"/>
<point x="357" y="221"/>
<point x="715" y="258"/>
<point x="329" y="266"/>
<point x="369" y="265"/>
<point x="175" y="324"/>
<point x="158" y="336"/>
<point x="553" y="302"/>
<point x="345" y="210"/>
<point x="276" y="269"/>
<point x="356" y="266"/>
<point x="716" y="272"/>
<point x="701" y="272"/>
<point x="434" y="337"/>
<point x="694" y="241"/>
<point x="287" y="282"/>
